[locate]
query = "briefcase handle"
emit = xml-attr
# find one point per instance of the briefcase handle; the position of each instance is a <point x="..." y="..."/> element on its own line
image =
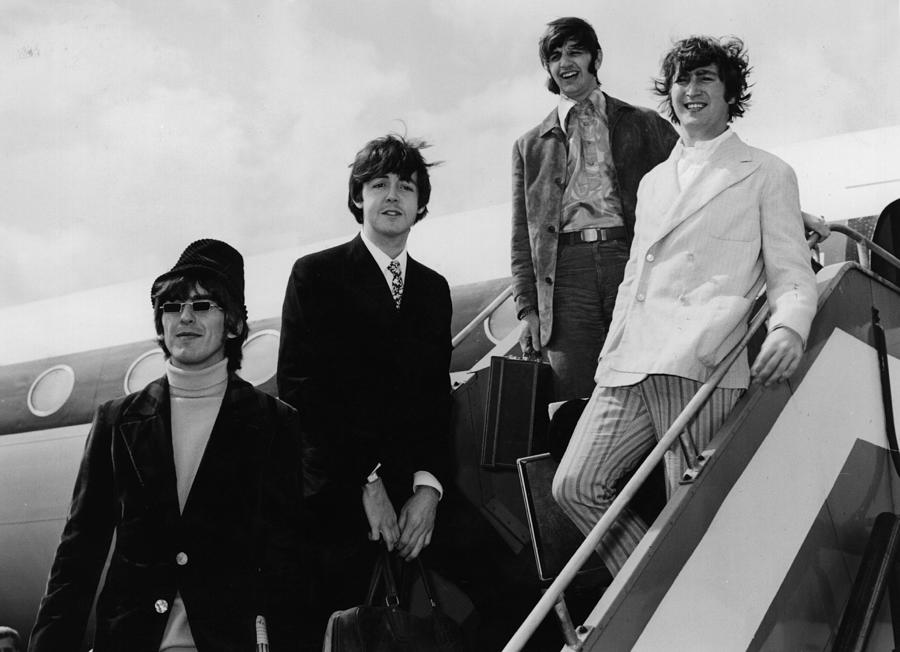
<point x="530" y="356"/>
<point x="384" y="570"/>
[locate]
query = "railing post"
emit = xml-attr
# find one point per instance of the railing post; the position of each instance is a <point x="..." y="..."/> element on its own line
<point x="862" y="253"/>
<point x="565" y="623"/>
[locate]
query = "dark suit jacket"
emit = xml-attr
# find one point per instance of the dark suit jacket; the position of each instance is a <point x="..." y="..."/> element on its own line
<point x="370" y="381"/>
<point x="639" y="139"/>
<point x="126" y="484"/>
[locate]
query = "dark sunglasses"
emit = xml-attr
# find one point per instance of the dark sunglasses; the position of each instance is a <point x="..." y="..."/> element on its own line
<point x="201" y="305"/>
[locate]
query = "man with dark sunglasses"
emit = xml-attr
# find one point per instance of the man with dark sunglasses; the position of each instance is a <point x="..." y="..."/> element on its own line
<point x="198" y="475"/>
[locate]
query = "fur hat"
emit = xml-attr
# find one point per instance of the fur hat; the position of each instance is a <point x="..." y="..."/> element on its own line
<point x="209" y="258"/>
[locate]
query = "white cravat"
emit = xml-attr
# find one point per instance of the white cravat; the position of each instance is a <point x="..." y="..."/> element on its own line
<point x="692" y="159"/>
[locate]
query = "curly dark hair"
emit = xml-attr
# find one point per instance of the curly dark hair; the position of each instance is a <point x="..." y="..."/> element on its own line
<point x="727" y="53"/>
<point x="180" y="288"/>
<point x="569" y="29"/>
<point x="386" y="155"/>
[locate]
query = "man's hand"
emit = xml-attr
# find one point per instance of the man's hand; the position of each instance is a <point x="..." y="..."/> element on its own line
<point x="417" y="522"/>
<point x="381" y="514"/>
<point x="816" y="224"/>
<point x="778" y="357"/>
<point x="530" y="335"/>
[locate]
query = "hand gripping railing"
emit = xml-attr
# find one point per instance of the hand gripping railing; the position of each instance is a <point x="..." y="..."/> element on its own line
<point x="481" y="316"/>
<point x="592" y="540"/>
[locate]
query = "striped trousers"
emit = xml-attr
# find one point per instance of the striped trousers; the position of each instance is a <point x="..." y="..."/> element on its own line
<point x="618" y="428"/>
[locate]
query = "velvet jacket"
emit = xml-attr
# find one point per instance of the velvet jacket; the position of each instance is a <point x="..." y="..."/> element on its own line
<point x="233" y="553"/>
<point x="371" y="382"/>
<point x="639" y="139"/>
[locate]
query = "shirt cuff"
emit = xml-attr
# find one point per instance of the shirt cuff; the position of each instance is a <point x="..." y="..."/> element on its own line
<point x="426" y="479"/>
<point x="373" y="476"/>
<point x="793" y="331"/>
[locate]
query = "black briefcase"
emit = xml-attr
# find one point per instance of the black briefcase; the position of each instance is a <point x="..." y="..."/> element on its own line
<point x="554" y="537"/>
<point x="516" y="418"/>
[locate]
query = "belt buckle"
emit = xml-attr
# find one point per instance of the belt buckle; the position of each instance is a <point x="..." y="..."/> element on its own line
<point x="590" y="235"/>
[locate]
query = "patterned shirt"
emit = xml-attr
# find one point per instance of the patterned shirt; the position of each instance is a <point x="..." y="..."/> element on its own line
<point x="591" y="198"/>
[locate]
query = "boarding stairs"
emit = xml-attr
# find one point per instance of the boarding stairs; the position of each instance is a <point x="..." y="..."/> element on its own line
<point x="758" y="549"/>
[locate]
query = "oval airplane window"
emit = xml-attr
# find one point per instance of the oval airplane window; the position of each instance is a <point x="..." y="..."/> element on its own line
<point x="148" y="367"/>
<point x="51" y="390"/>
<point x="260" y="357"/>
<point x="501" y="322"/>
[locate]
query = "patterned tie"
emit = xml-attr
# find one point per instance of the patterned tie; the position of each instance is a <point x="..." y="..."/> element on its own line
<point x="396" y="282"/>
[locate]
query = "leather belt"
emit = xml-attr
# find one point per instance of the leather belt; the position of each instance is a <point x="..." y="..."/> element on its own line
<point x="593" y="235"/>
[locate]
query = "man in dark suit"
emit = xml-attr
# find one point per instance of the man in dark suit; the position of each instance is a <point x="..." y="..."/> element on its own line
<point x="364" y="357"/>
<point x="198" y="476"/>
<point x="575" y="180"/>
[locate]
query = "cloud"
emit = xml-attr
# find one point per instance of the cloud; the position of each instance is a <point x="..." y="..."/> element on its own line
<point x="131" y="137"/>
<point x="128" y="129"/>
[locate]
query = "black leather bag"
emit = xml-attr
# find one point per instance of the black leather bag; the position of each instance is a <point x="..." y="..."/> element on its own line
<point x="386" y="627"/>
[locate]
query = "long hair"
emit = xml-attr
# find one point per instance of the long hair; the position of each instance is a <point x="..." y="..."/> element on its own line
<point x="697" y="51"/>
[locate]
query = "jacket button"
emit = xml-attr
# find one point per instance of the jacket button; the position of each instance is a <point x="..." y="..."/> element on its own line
<point x="181" y="559"/>
<point x="559" y="182"/>
<point x="551" y="228"/>
<point x="548" y="281"/>
<point x="640" y="297"/>
<point x="161" y="606"/>
<point x="650" y="258"/>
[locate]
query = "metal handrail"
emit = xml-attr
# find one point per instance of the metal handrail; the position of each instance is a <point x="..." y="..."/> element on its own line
<point x="860" y="239"/>
<point x="592" y="540"/>
<point x="481" y="316"/>
<point x="590" y="543"/>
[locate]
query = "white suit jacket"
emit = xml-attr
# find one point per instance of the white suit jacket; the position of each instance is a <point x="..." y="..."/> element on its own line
<point x="696" y="255"/>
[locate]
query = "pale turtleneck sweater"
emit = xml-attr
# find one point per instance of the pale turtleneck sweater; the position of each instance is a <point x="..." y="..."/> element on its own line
<point x="195" y="398"/>
<point x="693" y="159"/>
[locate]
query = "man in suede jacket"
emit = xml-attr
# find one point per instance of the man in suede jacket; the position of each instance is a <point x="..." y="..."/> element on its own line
<point x="575" y="180"/>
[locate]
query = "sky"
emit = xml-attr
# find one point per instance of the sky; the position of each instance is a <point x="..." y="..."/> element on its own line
<point x="130" y="128"/>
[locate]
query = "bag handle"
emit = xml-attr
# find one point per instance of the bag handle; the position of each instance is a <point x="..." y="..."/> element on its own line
<point x="374" y="581"/>
<point x="384" y="570"/>
<point x="426" y="584"/>
<point x="391" y="598"/>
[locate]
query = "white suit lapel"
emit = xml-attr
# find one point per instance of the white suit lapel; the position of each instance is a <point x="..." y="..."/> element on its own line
<point x="731" y="163"/>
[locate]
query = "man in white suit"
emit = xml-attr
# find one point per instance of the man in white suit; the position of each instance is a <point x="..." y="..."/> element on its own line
<point x="711" y="219"/>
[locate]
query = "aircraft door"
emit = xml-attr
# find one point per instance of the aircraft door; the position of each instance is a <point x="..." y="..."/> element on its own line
<point x="887" y="235"/>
